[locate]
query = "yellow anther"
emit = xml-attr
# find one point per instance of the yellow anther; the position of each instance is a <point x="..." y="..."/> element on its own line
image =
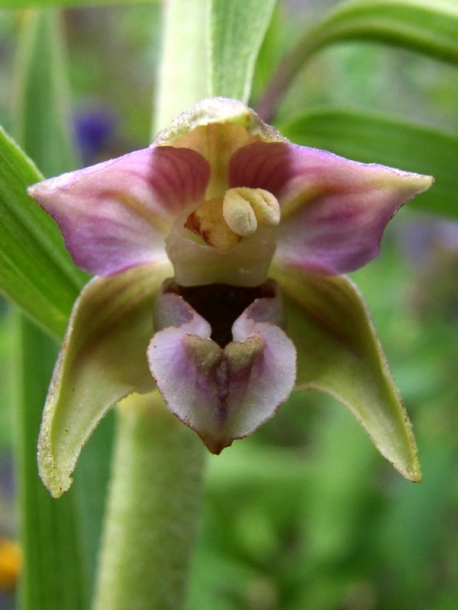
<point x="208" y="222"/>
<point x="223" y="222"/>
<point x="265" y="206"/>
<point x="239" y="214"/>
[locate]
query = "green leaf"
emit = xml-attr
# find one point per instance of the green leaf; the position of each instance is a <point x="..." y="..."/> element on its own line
<point x="374" y="138"/>
<point x="420" y="25"/>
<point x="42" y="279"/>
<point x="53" y="576"/>
<point x="237" y="29"/>
<point x="102" y="361"/>
<point x="36" y="271"/>
<point x="42" y="120"/>
<point x="339" y="353"/>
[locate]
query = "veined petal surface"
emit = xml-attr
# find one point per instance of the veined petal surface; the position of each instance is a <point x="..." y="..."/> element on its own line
<point x="116" y="215"/>
<point x="216" y="127"/>
<point x="339" y="353"/>
<point x="103" y="359"/>
<point x="334" y="211"/>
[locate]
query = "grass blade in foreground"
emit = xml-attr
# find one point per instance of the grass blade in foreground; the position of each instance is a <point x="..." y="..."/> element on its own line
<point x="54" y="575"/>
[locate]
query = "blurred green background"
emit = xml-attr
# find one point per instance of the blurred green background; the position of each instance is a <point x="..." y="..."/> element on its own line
<point x="304" y="514"/>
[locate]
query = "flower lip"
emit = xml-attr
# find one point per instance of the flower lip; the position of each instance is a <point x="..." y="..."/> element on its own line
<point x="220" y="304"/>
<point x="223" y="393"/>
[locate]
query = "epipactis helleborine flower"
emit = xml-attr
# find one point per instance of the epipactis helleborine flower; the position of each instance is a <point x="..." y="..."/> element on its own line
<point x="219" y="255"/>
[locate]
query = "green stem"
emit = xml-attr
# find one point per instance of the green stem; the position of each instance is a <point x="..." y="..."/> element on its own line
<point x="154" y="504"/>
<point x="156" y="485"/>
<point x="182" y="78"/>
<point x="286" y="72"/>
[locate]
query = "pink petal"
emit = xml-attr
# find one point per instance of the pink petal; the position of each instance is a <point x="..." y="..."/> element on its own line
<point x="115" y="215"/>
<point x="222" y="394"/>
<point x="334" y="211"/>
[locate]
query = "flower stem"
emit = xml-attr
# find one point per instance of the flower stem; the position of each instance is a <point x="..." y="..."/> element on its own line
<point x="183" y="76"/>
<point x="156" y="484"/>
<point x="153" y="507"/>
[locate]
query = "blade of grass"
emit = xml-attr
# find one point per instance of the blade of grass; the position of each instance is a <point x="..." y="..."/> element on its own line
<point x="425" y="26"/>
<point x="53" y="576"/>
<point x="55" y="557"/>
<point x="36" y="271"/>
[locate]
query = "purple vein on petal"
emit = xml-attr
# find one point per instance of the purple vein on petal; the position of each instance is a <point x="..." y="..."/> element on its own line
<point x="115" y="215"/>
<point x="334" y="211"/>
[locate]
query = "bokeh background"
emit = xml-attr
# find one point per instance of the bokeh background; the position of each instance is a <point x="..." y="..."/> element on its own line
<point x="304" y="514"/>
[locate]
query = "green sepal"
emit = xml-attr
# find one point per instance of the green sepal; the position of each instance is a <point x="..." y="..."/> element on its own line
<point x="339" y="353"/>
<point x="103" y="359"/>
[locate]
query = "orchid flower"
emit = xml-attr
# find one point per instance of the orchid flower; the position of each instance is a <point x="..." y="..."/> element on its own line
<point x="219" y="254"/>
